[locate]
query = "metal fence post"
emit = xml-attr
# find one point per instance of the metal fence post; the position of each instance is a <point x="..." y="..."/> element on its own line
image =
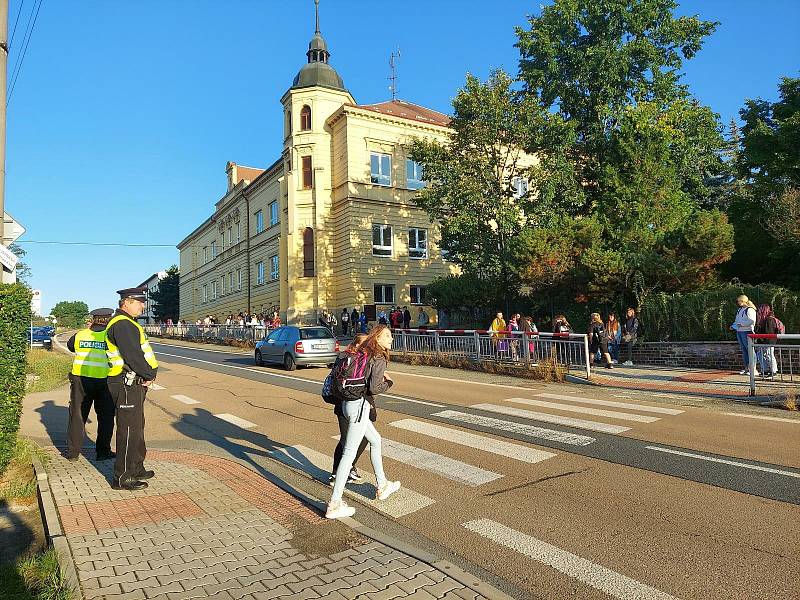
<point x="437" y="343"/>
<point x="477" y="346"/>
<point x="751" y="355"/>
<point x="405" y="342"/>
<point x="586" y="356"/>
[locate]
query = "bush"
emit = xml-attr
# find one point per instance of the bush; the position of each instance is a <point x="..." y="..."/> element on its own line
<point x="15" y="316"/>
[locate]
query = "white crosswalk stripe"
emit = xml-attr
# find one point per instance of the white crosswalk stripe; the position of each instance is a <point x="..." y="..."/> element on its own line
<point x="403" y="502"/>
<point x="155" y="387"/>
<point x="184" y="399"/>
<point x="524" y="429"/>
<point x="548" y="418"/>
<point x="585" y="410"/>
<point x="234" y="420"/>
<point x="444" y="466"/>
<point x="601" y="578"/>
<point x="653" y="409"/>
<point x="472" y="440"/>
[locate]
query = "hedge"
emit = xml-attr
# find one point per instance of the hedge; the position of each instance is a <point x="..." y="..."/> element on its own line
<point x="15" y="316"/>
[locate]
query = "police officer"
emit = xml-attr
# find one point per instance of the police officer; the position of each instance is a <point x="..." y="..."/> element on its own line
<point x="88" y="386"/>
<point x="133" y="367"/>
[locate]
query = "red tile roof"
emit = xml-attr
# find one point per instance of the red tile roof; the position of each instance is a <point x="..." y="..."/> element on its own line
<point x="248" y="173"/>
<point x="407" y="110"/>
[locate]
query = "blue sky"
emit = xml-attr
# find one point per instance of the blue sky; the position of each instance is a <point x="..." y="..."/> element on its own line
<point x="125" y="113"/>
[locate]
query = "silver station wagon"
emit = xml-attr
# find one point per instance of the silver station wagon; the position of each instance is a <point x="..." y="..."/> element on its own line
<point x="293" y="346"/>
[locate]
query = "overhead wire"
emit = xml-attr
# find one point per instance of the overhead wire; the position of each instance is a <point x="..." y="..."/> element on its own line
<point x="13" y="31"/>
<point x="26" y="41"/>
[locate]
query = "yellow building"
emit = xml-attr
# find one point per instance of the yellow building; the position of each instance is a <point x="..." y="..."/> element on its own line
<point x="329" y="225"/>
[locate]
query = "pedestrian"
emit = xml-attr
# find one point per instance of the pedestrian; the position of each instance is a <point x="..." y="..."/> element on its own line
<point x="354" y="476"/>
<point x="513" y="333"/>
<point x="323" y="319"/>
<point x="422" y="318"/>
<point x="406" y="318"/>
<point x="497" y="334"/>
<point x="631" y="330"/>
<point x="354" y="320"/>
<point x="598" y="339"/>
<point x="382" y="319"/>
<point x="376" y="346"/>
<point x="345" y="319"/>
<point x="767" y="322"/>
<point x="362" y="320"/>
<point x="332" y="322"/>
<point x="89" y="385"/>
<point x="743" y="325"/>
<point x="614" y="332"/>
<point x="133" y="367"/>
<point x="530" y="330"/>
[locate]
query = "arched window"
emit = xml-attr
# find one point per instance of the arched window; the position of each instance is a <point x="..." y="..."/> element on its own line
<point x="305" y="118"/>
<point x="308" y="252"/>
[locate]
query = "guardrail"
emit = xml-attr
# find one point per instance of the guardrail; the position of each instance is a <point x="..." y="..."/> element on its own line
<point x="251" y="333"/>
<point x="517" y="347"/>
<point x="771" y="353"/>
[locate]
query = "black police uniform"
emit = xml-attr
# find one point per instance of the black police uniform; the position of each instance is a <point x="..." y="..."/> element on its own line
<point x="129" y="402"/>
<point x="85" y="391"/>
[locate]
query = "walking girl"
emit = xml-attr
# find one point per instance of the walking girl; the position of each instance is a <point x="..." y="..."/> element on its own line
<point x="376" y="346"/>
<point x="598" y="339"/>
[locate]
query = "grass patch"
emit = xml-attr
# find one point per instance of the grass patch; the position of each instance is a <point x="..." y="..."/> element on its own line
<point x="46" y="370"/>
<point x="34" y="577"/>
<point x="787" y="401"/>
<point x="18" y="483"/>
<point x="547" y="370"/>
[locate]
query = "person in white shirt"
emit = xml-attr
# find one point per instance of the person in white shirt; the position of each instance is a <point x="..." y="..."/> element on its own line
<point x="743" y="326"/>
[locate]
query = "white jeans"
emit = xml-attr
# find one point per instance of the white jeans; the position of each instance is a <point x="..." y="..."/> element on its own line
<point x="357" y="414"/>
<point x="767" y="361"/>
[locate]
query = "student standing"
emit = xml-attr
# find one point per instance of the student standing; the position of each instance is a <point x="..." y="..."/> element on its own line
<point x="631" y="329"/>
<point x="767" y="322"/>
<point x="743" y="325"/>
<point x="598" y="339"/>
<point x="376" y="346"/>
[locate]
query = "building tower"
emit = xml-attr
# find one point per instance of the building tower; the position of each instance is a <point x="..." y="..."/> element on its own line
<point x="316" y="93"/>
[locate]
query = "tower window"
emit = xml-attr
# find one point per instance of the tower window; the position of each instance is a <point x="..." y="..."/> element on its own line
<point x="305" y="118"/>
<point x="308" y="252"/>
<point x="308" y="175"/>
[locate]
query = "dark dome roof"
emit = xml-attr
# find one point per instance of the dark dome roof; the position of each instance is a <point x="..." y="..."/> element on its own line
<point x="318" y="73"/>
<point x="317" y="43"/>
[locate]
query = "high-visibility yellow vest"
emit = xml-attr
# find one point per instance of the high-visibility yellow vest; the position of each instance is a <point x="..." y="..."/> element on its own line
<point x="112" y="352"/>
<point x="90" y="354"/>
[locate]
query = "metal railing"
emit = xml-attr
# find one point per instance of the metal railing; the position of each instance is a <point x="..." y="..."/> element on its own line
<point x="517" y="348"/>
<point x="208" y="333"/>
<point x="776" y="357"/>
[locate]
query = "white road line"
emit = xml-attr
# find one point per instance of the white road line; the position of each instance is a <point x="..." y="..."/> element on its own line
<point x="184" y="399"/>
<point x="499" y="385"/>
<point x="201" y="349"/>
<point x="586" y="410"/>
<point x="781" y="419"/>
<point x="548" y="418"/>
<point x="639" y="407"/>
<point x="725" y="461"/>
<point x="456" y="436"/>
<point x="414" y="401"/>
<point x="530" y="431"/>
<point x="403" y="502"/>
<point x="599" y="577"/>
<point x="238" y="421"/>
<point x="444" y="466"/>
<point x="155" y="387"/>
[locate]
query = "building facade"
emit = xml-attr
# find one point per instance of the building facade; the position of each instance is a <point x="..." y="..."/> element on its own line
<point x="151" y="283"/>
<point x="331" y="224"/>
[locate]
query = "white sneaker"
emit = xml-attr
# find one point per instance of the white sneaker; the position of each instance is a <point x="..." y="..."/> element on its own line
<point x="628" y="363"/>
<point x="744" y="372"/>
<point x="339" y="511"/>
<point x="389" y="488"/>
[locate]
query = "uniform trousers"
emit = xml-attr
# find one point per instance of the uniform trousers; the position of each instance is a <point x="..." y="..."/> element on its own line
<point x="85" y="391"/>
<point x="131" y="449"/>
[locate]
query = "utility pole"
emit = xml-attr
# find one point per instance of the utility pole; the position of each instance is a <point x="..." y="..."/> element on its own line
<point x="3" y="101"/>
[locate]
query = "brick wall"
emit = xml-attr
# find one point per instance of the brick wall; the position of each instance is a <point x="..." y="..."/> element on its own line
<point x="704" y="355"/>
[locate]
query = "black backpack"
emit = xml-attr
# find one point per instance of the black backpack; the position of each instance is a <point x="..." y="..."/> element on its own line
<point x="347" y="379"/>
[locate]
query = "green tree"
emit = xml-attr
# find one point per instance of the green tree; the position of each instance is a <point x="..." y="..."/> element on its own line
<point x="166" y="297"/>
<point x="23" y="270"/>
<point x="474" y="193"/>
<point x="70" y="313"/>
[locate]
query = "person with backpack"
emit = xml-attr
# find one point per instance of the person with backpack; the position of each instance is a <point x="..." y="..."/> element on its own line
<point x="598" y="339"/>
<point x="631" y="329"/>
<point x="345" y="319"/>
<point x="767" y="322"/>
<point x="356" y="382"/>
<point x="743" y="325"/>
<point x="354" y="476"/>
<point x="406" y="318"/>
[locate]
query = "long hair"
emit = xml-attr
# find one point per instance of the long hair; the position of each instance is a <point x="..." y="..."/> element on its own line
<point x="764" y="312"/>
<point x="746" y="301"/>
<point x="612" y="326"/>
<point x="596" y="319"/>
<point x="370" y="344"/>
<point x="355" y="345"/>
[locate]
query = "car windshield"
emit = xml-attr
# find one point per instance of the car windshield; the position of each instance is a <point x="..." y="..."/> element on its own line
<point x="318" y="333"/>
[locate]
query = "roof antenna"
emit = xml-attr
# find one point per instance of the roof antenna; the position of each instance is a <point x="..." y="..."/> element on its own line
<point x="316" y="9"/>
<point x="393" y="70"/>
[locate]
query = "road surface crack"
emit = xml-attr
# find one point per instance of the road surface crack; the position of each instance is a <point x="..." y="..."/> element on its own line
<point x="534" y="482"/>
<point x="280" y="412"/>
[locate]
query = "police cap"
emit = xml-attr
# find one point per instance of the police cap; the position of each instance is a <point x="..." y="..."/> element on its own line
<point x="137" y="293"/>
<point x="102" y="312"/>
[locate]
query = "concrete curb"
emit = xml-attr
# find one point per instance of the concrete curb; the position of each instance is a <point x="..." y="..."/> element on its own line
<point x="59" y="346"/>
<point x="53" y="531"/>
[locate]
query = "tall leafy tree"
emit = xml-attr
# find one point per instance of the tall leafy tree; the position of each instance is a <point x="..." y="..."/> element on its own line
<point x="166" y="299"/>
<point x="70" y="313"/>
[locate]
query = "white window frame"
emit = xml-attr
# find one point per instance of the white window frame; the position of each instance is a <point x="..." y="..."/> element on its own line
<point x="205" y="293"/>
<point x="230" y="236"/>
<point x="214" y="290"/>
<point x="205" y="254"/>
<point x="223" y="284"/>
<point x="238" y="280"/>
<point x="274" y="219"/>
<point x="260" y="272"/>
<point x="382" y="249"/>
<point x="415" y="182"/>
<point x="274" y="268"/>
<point x="417" y="251"/>
<point x="380" y="178"/>
<point x="238" y="232"/>
<point x="213" y="249"/>
<point x="382" y="298"/>
<point x="520" y="186"/>
<point x="259" y="221"/>
<point x="419" y="288"/>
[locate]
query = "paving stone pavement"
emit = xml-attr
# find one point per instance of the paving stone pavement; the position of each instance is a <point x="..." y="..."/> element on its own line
<point x="208" y="527"/>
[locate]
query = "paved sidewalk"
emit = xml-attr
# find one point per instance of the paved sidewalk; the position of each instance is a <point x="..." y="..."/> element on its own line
<point x="208" y="527"/>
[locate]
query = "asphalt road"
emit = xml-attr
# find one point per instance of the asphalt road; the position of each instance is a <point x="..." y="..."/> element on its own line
<point x="558" y="491"/>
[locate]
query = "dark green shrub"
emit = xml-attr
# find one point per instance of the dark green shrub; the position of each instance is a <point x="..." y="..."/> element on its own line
<point x="15" y="315"/>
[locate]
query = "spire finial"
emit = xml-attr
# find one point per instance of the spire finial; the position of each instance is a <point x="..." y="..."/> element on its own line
<point x="316" y="8"/>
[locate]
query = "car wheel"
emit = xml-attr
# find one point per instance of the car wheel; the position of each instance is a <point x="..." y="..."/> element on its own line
<point x="259" y="359"/>
<point x="288" y="362"/>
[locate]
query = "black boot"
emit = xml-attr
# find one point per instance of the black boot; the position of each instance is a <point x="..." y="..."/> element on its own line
<point x="129" y="484"/>
<point x="145" y="475"/>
